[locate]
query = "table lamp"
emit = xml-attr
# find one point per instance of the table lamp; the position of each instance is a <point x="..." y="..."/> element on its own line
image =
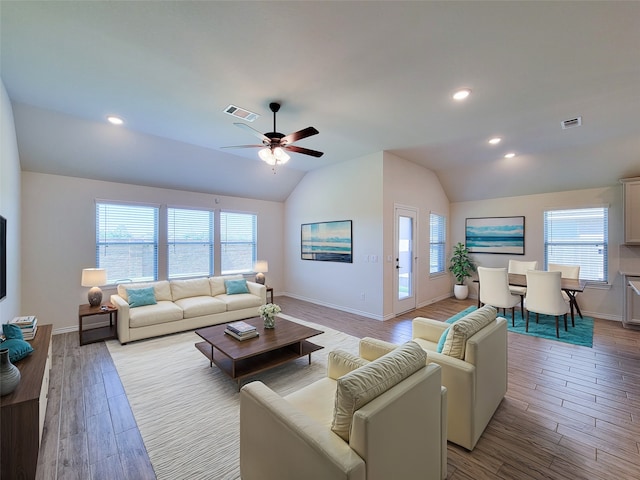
<point x="261" y="266"/>
<point x="94" y="278"/>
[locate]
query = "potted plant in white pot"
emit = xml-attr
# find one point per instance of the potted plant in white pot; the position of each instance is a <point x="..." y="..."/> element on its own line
<point x="461" y="266"/>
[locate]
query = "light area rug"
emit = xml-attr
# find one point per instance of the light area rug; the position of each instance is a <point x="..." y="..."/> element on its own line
<point x="581" y="334"/>
<point x="188" y="412"/>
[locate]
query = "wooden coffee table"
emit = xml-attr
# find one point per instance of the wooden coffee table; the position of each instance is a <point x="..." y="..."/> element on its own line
<point x="273" y="347"/>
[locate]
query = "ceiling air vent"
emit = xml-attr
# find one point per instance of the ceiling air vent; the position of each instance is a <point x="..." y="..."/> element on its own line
<point x="574" y="122"/>
<point x="241" y="113"/>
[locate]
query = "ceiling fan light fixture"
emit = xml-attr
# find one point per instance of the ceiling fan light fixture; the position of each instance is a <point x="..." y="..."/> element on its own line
<point x="277" y="156"/>
<point x="462" y="94"/>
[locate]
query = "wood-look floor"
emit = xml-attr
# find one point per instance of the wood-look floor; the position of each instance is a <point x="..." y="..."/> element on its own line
<point x="570" y="412"/>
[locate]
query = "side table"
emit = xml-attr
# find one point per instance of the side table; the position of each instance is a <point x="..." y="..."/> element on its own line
<point x="270" y="291"/>
<point x="97" y="334"/>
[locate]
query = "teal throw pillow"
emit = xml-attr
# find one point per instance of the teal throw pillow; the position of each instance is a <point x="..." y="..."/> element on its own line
<point x="443" y="337"/>
<point x="236" y="286"/>
<point x="12" y="331"/>
<point x="139" y="297"/>
<point x="18" y="349"/>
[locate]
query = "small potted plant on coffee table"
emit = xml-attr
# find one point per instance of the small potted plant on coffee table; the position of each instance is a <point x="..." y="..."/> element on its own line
<point x="461" y="266"/>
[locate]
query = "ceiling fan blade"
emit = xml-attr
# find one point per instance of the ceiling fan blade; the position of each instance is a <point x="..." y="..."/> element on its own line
<point x="299" y="135"/>
<point x="253" y="131"/>
<point x="305" y="151"/>
<point x="245" y="146"/>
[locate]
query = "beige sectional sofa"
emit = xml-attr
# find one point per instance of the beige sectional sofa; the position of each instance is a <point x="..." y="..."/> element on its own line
<point x="179" y="305"/>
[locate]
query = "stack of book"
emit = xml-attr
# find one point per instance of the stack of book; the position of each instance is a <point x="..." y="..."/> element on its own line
<point x="28" y="325"/>
<point x="241" y="330"/>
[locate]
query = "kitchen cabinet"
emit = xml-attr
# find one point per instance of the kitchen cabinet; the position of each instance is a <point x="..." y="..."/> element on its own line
<point x="631" y="188"/>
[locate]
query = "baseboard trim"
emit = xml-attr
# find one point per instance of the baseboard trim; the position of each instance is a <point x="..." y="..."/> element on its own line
<point x="335" y="307"/>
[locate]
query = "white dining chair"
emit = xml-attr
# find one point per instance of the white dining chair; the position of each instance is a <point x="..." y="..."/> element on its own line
<point x="567" y="271"/>
<point x="494" y="290"/>
<point x="545" y="296"/>
<point x="520" y="267"/>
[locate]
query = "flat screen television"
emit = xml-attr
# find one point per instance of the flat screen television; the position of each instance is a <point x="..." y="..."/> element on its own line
<point x="3" y="257"/>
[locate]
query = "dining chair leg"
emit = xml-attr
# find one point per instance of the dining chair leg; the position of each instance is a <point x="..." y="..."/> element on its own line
<point x="565" y="322"/>
<point x="522" y="304"/>
<point x="526" y="328"/>
<point x="513" y="316"/>
<point x="537" y="318"/>
<point x="557" y="327"/>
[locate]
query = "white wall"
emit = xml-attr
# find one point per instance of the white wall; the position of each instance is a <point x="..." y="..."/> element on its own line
<point x="347" y="191"/>
<point x="408" y="184"/>
<point x="59" y="237"/>
<point x="10" y="206"/>
<point x="602" y="302"/>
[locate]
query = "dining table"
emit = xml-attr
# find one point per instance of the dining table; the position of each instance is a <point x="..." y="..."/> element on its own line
<point x="572" y="286"/>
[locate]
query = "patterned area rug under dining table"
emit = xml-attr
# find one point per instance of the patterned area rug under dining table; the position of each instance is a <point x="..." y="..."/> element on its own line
<point x="581" y="334"/>
<point x="188" y="412"/>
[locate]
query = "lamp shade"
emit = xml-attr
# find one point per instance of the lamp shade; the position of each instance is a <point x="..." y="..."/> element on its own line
<point x="261" y="266"/>
<point x="93" y="277"/>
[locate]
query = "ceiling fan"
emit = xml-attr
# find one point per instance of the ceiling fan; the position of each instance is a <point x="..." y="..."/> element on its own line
<point x="275" y="144"/>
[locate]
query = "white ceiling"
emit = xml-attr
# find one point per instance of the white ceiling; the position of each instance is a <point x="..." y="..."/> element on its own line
<point x="370" y="76"/>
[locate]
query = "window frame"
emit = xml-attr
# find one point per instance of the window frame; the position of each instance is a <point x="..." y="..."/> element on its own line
<point x="439" y="243"/>
<point x="223" y="232"/>
<point x="584" y="228"/>
<point x="104" y="244"/>
<point x="209" y="242"/>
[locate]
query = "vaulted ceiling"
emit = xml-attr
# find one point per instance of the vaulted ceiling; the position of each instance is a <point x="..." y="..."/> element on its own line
<point x="370" y="76"/>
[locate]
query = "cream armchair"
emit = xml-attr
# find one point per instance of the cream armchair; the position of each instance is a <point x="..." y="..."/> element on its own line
<point x="476" y="382"/>
<point x="392" y="435"/>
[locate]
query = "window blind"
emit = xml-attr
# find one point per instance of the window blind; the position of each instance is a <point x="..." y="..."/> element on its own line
<point x="578" y="237"/>
<point x="437" y="243"/>
<point x="127" y="242"/>
<point x="189" y="243"/>
<point x="238" y="234"/>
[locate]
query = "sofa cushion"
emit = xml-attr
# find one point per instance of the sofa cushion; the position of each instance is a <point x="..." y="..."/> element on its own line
<point x="240" y="301"/>
<point x="217" y="283"/>
<point x="161" y="289"/>
<point x="360" y="386"/>
<point x="139" y="297"/>
<point x="235" y="287"/>
<point x="163" y="312"/>
<point x="460" y="331"/>
<point x="193" y="287"/>
<point x="199" y="306"/>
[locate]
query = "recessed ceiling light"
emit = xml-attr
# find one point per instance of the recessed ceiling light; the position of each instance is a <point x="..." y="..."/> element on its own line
<point x="510" y="155"/>
<point x="495" y="140"/>
<point x="114" y="120"/>
<point x="462" y="94"/>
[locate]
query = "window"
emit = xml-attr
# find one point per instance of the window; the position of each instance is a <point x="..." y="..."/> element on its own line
<point x="237" y="242"/>
<point x="189" y="243"/>
<point x="578" y="237"/>
<point x="437" y="243"/>
<point x="127" y="242"/>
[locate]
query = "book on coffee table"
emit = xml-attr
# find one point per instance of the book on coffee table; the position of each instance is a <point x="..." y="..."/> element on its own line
<point x="241" y="328"/>
<point x="243" y="337"/>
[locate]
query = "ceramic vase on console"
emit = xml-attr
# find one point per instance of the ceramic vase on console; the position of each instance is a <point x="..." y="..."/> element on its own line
<point x="9" y="373"/>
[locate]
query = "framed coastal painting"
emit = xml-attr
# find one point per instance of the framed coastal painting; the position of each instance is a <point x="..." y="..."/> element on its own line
<point x="495" y="235"/>
<point x="327" y="241"/>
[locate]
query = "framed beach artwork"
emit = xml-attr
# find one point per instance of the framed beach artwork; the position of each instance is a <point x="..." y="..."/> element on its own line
<point x="327" y="241"/>
<point x="495" y="235"/>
